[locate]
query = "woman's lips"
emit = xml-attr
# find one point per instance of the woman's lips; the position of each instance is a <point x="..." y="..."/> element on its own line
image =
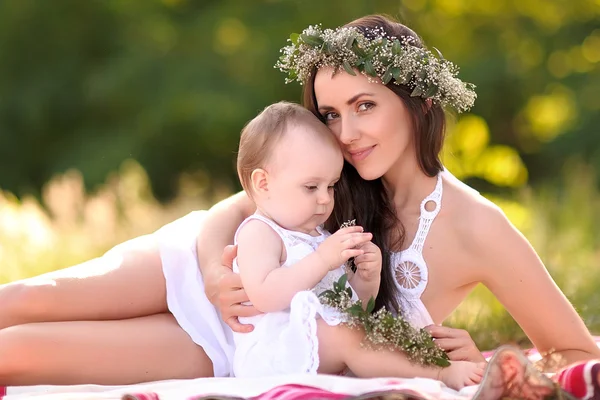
<point x="361" y="154"/>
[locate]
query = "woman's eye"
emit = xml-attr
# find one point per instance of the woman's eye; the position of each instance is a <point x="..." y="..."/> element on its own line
<point x="311" y="188"/>
<point x="330" y="116"/>
<point x="365" y="106"/>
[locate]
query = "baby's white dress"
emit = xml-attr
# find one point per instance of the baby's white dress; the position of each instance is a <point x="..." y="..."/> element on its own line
<point x="202" y="322"/>
<point x="285" y="342"/>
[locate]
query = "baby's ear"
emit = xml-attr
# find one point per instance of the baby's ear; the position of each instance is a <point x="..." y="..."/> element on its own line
<point x="260" y="181"/>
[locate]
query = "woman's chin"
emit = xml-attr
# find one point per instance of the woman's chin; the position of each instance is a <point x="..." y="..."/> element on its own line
<point x="369" y="174"/>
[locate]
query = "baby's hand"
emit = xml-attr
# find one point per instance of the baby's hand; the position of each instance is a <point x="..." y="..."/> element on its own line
<point x="343" y="245"/>
<point x="368" y="264"/>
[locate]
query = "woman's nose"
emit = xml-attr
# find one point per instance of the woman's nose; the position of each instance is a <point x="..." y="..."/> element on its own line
<point x="349" y="132"/>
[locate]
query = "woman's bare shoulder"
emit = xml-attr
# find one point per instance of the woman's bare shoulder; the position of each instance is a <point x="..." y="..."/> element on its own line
<point x="475" y="219"/>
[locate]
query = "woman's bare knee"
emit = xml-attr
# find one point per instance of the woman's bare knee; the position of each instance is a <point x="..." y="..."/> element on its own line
<point x="12" y="362"/>
<point x="126" y="282"/>
<point x="15" y="304"/>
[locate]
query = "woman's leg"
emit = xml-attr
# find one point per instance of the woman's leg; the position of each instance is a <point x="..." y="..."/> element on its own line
<point x="100" y="352"/>
<point x="126" y="282"/>
<point x="341" y="346"/>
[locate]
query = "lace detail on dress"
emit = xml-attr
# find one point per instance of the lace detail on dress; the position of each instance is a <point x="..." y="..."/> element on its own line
<point x="409" y="266"/>
<point x="427" y="216"/>
<point x="304" y="315"/>
<point x="293" y="239"/>
<point x="408" y="275"/>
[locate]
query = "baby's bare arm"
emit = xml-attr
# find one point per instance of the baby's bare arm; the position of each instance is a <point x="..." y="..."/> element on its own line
<point x="271" y="288"/>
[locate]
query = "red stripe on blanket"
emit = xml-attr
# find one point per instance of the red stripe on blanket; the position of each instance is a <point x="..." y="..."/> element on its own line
<point x="298" y="392"/>
<point x="2" y="392"/>
<point x="141" y="396"/>
<point x="581" y="379"/>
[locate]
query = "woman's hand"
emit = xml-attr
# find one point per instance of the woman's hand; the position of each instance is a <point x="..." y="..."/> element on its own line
<point x="224" y="290"/>
<point x="456" y="342"/>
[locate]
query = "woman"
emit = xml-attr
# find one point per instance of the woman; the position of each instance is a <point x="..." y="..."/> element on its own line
<point x="442" y="236"/>
<point x="78" y="325"/>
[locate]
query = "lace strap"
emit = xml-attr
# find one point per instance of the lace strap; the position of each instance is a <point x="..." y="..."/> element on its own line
<point x="427" y="217"/>
<point x="279" y="230"/>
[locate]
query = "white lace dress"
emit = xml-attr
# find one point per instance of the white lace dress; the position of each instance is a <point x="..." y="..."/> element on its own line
<point x="286" y="342"/>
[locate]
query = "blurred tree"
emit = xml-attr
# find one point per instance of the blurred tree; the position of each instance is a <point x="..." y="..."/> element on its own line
<point x="88" y="84"/>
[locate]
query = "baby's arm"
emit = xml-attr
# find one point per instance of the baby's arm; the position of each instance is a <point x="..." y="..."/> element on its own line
<point x="260" y="254"/>
<point x="269" y="287"/>
<point x="365" y="281"/>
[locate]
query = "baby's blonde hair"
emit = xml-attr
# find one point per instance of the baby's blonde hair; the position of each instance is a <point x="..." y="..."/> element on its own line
<point x="261" y="134"/>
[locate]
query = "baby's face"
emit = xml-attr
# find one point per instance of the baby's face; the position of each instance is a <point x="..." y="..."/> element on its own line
<point x="302" y="172"/>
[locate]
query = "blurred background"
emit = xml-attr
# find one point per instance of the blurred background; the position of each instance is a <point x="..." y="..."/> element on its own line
<point x="117" y="117"/>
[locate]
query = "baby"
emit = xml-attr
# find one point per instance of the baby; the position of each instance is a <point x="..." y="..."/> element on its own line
<point x="289" y="163"/>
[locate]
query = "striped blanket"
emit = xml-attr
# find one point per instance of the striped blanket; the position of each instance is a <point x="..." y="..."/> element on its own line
<point x="510" y="374"/>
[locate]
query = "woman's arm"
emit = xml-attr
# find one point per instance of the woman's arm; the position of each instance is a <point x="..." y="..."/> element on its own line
<point x="512" y="270"/>
<point x="215" y="257"/>
<point x="216" y="232"/>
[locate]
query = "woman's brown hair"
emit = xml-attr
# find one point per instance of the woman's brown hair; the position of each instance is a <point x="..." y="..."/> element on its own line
<point x="368" y="201"/>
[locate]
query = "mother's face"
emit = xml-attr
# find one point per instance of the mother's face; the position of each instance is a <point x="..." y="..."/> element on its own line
<point x="370" y="121"/>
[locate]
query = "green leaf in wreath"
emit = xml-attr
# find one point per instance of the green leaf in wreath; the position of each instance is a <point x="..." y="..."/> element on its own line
<point x="348" y="68"/>
<point x="350" y="42"/>
<point x="431" y="90"/>
<point x="439" y="54"/>
<point x="314" y="41"/>
<point x="387" y="76"/>
<point x="369" y="69"/>
<point x="396" y="48"/>
<point x="417" y="91"/>
<point x="358" y="50"/>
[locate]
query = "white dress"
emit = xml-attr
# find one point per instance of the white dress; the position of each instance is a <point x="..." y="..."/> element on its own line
<point x="286" y="342"/>
<point x="197" y="316"/>
<point x="185" y="292"/>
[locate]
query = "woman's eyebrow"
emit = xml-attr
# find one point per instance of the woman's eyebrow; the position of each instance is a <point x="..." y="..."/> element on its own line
<point x="350" y="101"/>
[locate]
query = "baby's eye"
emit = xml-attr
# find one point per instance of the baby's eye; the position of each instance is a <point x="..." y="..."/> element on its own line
<point x="311" y="188"/>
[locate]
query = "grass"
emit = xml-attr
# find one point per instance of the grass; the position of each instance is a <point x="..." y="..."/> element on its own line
<point x="71" y="226"/>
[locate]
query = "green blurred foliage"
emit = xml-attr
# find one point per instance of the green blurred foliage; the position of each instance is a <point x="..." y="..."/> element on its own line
<point x="88" y="84"/>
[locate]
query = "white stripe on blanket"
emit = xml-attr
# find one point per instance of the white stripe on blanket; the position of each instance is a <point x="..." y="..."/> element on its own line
<point x="184" y="389"/>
